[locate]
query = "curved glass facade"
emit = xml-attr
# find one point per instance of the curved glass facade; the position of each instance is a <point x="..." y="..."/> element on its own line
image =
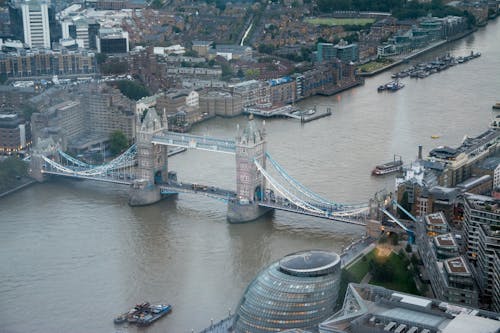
<point x="299" y="291"/>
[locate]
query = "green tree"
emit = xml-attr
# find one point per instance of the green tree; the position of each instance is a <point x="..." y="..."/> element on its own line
<point x="266" y="48"/>
<point x="10" y="169"/>
<point x="156" y="4"/>
<point x="227" y="71"/>
<point x="117" y="142"/>
<point x="132" y="89"/>
<point x="408" y="248"/>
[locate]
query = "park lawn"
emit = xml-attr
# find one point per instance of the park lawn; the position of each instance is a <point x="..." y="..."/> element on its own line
<point x="339" y="21"/>
<point x="358" y="270"/>
<point x="402" y="277"/>
<point x="374" y="65"/>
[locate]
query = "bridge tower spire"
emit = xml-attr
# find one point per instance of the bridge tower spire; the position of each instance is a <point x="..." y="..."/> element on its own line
<point x="250" y="183"/>
<point x="152" y="160"/>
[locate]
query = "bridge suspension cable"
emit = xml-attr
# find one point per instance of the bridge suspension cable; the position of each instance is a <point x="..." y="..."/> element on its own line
<point x="121" y="161"/>
<point x="74" y="160"/>
<point x="285" y="193"/>
<point x="304" y="190"/>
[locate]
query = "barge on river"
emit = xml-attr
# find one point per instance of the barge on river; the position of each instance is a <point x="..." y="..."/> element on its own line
<point x="144" y="314"/>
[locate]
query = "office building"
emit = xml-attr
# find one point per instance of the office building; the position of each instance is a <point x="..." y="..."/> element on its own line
<point x="488" y="248"/>
<point x="112" y="40"/>
<point x="373" y="309"/>
<point x="15" y="134"/>
<point x="478" y="210"/>
<point x="36" y="23"/>
<point x="299" y="291"/>
<point x="450" y="275"/>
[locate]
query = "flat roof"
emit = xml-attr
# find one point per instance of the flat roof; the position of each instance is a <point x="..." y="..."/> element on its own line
<point x="456" y="266"/>
<point x="445" y="240"/>
<point x="418" y="318"/>
<point x="471" y="324"/>
<point x="436" y="219"/>
<point x="408" y="299"/>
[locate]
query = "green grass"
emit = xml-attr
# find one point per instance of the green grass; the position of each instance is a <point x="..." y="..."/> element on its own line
<point x="402" y="278"/>
<point x="358" y="270"/>
<point x="374" y="65"/>
<point x="340" y="21"/>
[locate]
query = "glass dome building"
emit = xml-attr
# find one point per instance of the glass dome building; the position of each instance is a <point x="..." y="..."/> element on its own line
<point x="299" y="291"/>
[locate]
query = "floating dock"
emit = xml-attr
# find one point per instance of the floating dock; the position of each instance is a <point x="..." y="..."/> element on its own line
<point x="289" y="112"/>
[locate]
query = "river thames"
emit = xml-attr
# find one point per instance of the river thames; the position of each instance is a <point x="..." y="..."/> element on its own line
<point x="74" y="254"/>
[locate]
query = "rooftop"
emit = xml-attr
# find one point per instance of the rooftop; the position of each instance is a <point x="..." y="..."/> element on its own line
<point x="445" y="240"/>
<point x="369" y="308"/>
<point x="456" y="266"/>
<point x="314" y="262"/>
<point x="436" y="219"/>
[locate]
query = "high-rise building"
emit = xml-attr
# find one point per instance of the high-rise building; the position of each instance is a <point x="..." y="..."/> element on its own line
<point x="478" y="210"/>
<point x="112" y="40"/>
<point x="36" y="23"/>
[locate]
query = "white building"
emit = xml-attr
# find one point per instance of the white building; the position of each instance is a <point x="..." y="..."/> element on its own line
<point x="36" y="24"/>
<point x="193" y="99"/>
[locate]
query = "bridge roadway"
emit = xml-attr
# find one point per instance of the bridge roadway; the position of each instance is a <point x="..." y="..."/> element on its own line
<point x="195" y="141"/>
<point x="289" y="207"/>
<point x="209" y="191"/>
<point x="123" y="179"/>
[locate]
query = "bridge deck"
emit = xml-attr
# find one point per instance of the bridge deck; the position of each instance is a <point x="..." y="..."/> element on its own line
<point x="195" y="141"/>
<point x="209" y="191"/>
<point x="294" y="209"/>
<point x="108" y="179"/>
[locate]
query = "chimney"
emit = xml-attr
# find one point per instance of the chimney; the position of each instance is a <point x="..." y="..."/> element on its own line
<point x="419" y="152"/>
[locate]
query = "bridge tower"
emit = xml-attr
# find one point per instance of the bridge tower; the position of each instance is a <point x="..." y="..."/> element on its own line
<point x="250" y="184"/>
<point x="152" y="166"/>
<point x="43" y="147"/>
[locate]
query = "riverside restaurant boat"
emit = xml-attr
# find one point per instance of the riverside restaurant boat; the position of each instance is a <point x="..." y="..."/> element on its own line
<point x="144" y="314"/>
<point x="389" y="167"/>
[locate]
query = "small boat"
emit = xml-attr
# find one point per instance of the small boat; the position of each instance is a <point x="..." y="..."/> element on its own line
<point x="496" y="105"/>
<point x="435" y="136"/>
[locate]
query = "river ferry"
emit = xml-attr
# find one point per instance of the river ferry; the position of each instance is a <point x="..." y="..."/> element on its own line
<point x="389" y="167"/>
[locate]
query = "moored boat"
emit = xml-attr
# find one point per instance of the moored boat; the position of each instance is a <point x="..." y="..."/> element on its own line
<point x="496" y="105"/>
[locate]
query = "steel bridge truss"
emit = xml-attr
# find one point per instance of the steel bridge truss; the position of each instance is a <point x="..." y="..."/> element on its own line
<point x="120" y="167"/>
<point x="295" y="197"/>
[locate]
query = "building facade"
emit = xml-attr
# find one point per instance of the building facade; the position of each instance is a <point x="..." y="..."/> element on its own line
<point x="36" y="24"/>
<point x="15" y="134"/>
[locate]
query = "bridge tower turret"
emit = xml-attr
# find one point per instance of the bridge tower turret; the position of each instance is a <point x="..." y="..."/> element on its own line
<point x="152" y="167"/>
<point x="250" y="183"/>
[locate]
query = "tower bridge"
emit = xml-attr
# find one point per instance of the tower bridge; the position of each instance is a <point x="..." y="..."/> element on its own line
<point x="262" y="184"/>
